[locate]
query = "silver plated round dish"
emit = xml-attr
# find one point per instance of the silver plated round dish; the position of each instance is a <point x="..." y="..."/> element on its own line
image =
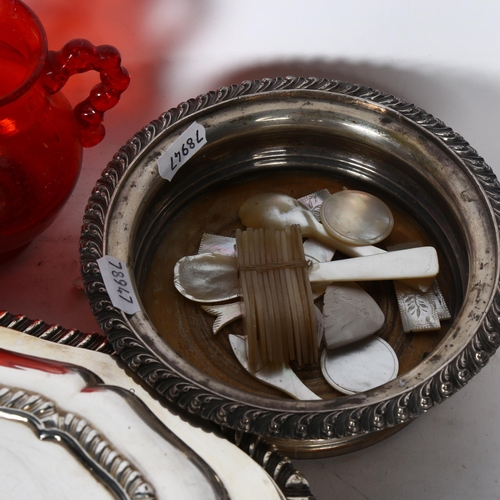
<point x="295" y="136"/>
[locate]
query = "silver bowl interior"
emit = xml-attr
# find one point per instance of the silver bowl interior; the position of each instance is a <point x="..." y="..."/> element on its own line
<point x="296" y="138"/>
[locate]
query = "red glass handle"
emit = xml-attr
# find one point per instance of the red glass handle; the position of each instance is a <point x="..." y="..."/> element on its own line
<point x="79" y="56"/>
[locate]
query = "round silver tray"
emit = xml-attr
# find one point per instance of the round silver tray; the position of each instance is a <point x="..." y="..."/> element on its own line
<point x="296" y="135"/>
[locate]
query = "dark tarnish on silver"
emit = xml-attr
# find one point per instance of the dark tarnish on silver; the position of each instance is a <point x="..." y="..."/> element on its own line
<point x="56" y="333"/>
<point x="292" y="483"/>
<point x="322" y="420"/>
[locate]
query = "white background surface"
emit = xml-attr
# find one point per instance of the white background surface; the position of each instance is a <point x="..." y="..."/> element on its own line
<point x="441" y="55"/>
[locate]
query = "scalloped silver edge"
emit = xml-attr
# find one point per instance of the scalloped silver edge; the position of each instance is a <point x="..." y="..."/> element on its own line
<point x="224" y="411"/>
<point x="291" y="482"/>
<point x="102" y="461"/>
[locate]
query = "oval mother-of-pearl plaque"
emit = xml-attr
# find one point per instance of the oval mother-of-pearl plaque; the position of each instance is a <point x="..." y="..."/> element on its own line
<point x="356" y="217"/>
<point x="361" y="366"/>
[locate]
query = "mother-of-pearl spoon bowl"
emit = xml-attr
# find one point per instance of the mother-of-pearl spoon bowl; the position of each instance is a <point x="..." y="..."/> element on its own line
<point x="207" y="277"/>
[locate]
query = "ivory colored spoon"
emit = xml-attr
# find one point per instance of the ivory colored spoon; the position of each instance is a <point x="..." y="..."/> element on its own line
<point x="214" y="277"/>
<point x="279" y="210"/>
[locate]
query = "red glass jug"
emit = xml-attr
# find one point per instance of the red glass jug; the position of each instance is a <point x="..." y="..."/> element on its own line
<point x="41" y="135"/>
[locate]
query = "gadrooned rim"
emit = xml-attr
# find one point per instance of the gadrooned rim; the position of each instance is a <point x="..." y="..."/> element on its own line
<point x="198" y="400"/>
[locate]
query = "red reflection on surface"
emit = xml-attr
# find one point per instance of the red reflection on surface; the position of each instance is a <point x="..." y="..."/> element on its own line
<point x="12" y="360"/>
<point x="7" y="126"/>
<point x="145" y="32"/>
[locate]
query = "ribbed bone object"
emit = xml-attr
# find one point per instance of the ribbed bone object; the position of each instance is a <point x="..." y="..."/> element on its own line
<point x="279" y="317"/>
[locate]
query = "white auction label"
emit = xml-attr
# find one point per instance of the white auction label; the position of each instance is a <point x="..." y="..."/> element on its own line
<point x="181" y="150"/>
<point x="116" y="277"/>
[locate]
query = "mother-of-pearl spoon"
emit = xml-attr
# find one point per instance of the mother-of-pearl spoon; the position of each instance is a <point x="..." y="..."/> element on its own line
<point x="278" y="210"/>
<point x="214" y="277"/>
